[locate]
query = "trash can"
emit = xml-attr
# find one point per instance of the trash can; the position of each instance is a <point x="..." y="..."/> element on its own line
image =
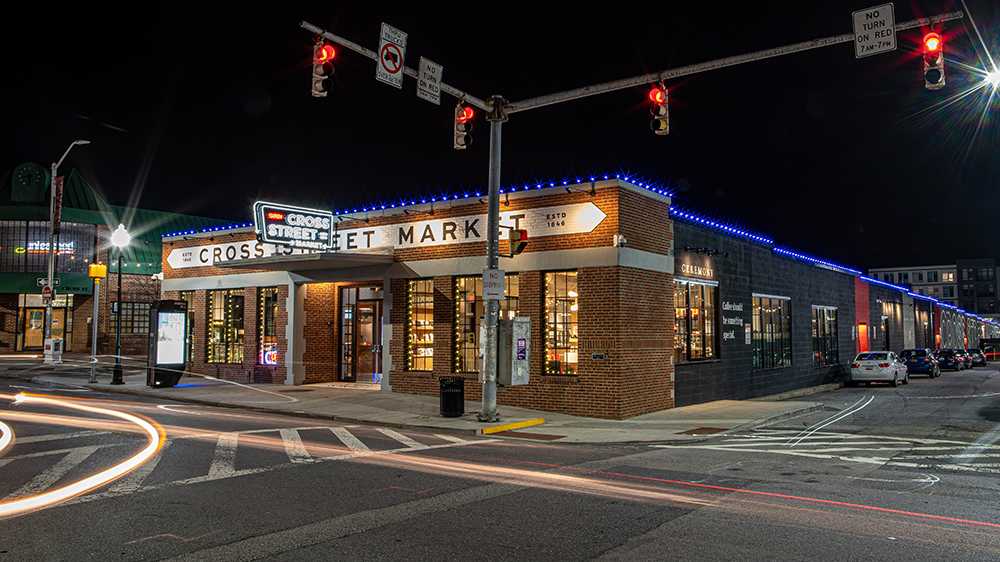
<point x="452" y="393"/>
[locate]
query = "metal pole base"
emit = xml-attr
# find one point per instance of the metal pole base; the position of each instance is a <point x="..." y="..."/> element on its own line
<point x="487" y="418"/>
<point x="116" y="375"/>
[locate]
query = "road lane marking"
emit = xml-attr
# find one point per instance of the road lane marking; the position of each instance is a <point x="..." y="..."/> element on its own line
<point x="849" y="412"/>
<point x="413" y="444"/>
<point x="451" y="438"/>
<point x="348" y="439"/>
<point x="44" y="480"/>
<point x="136" y="478"/>
<point x="224" y="459"/>
<point x="58" y="436"/>
<point x="294" y="447"/>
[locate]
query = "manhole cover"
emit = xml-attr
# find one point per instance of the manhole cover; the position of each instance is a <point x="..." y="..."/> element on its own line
<point x="703" y="431"/>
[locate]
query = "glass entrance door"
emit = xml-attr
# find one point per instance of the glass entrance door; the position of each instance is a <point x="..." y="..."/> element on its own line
<point x="369" y="338"/>
<point x="34" y="328"/>
<point x="360" y="335"/>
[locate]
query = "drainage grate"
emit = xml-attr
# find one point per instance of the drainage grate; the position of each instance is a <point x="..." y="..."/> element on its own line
<point x="703" y="431"/>
<point x="300" y="390"/>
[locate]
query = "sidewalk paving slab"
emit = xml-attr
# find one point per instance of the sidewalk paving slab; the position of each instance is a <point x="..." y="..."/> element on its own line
<point x="335" y="402"/>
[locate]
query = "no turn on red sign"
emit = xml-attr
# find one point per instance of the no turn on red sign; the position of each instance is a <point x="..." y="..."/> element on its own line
<point x="391" y="56"/>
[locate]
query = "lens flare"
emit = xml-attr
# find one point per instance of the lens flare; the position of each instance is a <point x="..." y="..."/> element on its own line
<point x="52" y="497"/>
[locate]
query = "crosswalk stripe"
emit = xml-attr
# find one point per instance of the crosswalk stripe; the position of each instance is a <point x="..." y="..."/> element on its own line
<point x="44" y="480"/>
<point x="294" y="447"/>
<point x="401" y="438"/>
<point x="451" y="438"/>
<point x="134" y="480"/>
<point x="58" y="436"/>
<point x="224" y="460"/>
<point x="348" y="439"/>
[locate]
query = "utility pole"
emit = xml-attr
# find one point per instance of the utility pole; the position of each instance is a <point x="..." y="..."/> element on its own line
<point x="498" y="110"/>
<point x="55" y="204"/>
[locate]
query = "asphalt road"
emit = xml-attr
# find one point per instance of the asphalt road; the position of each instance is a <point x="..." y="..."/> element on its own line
<point x="881" y="474"/>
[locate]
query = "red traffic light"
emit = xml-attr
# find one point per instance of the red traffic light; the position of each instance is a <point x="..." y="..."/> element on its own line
<point x="325" y="53"/>
<point x="465" y="115"/>
<point x="657" y="95"/>
<point x="932" y="42"/>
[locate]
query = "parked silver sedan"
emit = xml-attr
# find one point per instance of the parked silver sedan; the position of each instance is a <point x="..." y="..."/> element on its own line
<point x="878" y="366"/>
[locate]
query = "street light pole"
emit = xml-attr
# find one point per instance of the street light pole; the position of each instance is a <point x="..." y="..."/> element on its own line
<point x="53" y="173"/>
<point x="119" y="239"/>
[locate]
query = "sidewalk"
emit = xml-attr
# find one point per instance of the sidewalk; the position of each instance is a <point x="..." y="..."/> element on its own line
<point x="364" y="405"/>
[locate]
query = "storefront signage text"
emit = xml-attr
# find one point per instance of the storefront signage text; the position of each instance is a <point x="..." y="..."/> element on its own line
<point x="293" y="226"/>
<point x="575" y="218"/>
<point x="730" y="334"/>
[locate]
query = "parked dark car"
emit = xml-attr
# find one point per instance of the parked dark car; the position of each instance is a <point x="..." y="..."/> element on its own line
<point x="949" y="359"/>
<point x="920" y="361"/>
<point x="966" y="358"/>
<point x="978" y="357"/>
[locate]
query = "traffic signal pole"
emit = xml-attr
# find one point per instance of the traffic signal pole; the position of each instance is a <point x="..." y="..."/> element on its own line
<point x="498" y="110"/>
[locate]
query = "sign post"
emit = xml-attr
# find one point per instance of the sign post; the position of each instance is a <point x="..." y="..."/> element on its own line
<point x="97" y="272"/>
<point x="874" y="30"/>
<point x="391" y="56"/>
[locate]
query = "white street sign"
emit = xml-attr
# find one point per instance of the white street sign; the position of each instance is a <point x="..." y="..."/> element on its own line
<point x="429" y="81"/>
<point x="391" y="56"/>
<point x="493" y="284"/>
<point x="43" y="281"/>
<point x="874" y="31"/>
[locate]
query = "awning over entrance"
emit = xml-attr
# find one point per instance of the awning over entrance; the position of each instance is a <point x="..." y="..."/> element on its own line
<point x="312" y="262"/>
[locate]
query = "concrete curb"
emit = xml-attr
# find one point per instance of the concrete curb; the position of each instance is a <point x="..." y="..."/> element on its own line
<point x="799" y="392"/>
<point x="291" y="413"/>
<point x="425" y="427"/>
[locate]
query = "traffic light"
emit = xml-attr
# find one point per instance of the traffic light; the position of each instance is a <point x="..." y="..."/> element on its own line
<point x="323" y="55"/>
<point x="933" y="61"/>
<point x="518" y="241"/>
<point x="658" y="97"/>
<point x="463" y="126"/>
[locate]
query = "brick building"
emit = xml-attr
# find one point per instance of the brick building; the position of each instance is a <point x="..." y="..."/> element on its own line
<point x="86" y="224"/>
<point x="635" y="306"/>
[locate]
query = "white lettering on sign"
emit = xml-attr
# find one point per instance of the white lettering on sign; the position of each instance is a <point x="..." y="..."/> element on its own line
<point x="697" y="270"/>
<point x="874" y="30"/>
<point x="429" y="81"/>
<point x="292" y="226"/>
<point x="215" y="254"/>
<point x="575" y="218"/>
<point x="493" y="282"/>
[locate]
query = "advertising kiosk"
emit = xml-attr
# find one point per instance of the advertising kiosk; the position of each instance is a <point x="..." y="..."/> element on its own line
<point x="168" y="328"/>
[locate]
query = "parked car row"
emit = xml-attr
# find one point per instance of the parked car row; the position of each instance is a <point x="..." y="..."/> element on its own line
<point x="895" y="369"/>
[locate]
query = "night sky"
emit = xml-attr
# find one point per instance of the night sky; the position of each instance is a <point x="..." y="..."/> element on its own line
<point x="202" y="109"/>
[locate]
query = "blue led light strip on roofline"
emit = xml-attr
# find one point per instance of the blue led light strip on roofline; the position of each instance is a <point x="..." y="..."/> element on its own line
<point x="817" y="261"/>
<point x="424" y="200"/>
<point x="728" y="229"/>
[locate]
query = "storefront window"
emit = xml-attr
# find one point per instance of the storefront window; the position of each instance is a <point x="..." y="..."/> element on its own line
<point x="134" y="315"/>
<point x="267" y="328"/>
<point x="772" y="332"/>
<point x="469" y="308"/>
<point x="420" y="325"/>
<point x="695" y="321"/>
<point x="561" y="323"/>
<point x="24" y="246"/>
<point x="824" y="336"/>
<point x="225" y="326"/>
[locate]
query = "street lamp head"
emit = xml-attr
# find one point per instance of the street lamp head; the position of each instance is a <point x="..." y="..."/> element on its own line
<point x="120" y="237"/>
<point x="81" y="141"/>
<point x="993" y="78"/>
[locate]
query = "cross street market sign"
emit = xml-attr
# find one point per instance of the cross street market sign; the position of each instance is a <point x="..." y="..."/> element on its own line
<point x="874" y="31"/>
<point x="556" y="220"/>
<point x="293" y="226"/>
